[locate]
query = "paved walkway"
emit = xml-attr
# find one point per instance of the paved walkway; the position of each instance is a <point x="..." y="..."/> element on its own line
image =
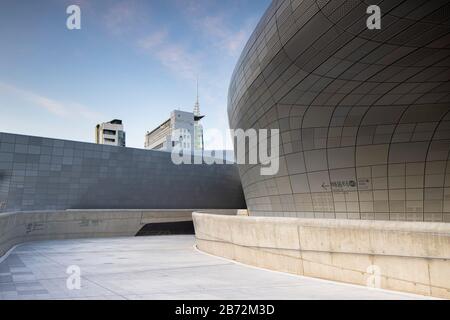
<point x="163" y="267"/>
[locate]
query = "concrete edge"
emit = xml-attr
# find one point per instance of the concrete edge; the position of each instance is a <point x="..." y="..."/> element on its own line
<point x="412" y="295"/>
<point x="416" y="226"/>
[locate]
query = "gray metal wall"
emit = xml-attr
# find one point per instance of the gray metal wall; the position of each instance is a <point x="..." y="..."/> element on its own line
<point x="363" y="114"/>
<point x="41" y="174"/>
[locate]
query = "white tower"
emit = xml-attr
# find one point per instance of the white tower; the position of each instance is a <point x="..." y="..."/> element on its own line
<point x="198" y="128"/>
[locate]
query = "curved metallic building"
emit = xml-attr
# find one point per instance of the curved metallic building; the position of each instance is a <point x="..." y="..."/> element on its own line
<point x="363" y="114"/>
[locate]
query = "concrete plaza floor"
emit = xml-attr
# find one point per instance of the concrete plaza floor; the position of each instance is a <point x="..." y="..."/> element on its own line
<point x="162" y="267"/>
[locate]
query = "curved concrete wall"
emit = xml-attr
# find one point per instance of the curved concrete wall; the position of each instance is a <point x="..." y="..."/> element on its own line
<point x="363" y="114"/>
<point x="404" y="256"/>
<point x="19" y="227"/>
<point x="47" y="174"/>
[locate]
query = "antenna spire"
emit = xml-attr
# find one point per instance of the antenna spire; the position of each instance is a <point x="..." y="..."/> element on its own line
<point x="197" y="104"/>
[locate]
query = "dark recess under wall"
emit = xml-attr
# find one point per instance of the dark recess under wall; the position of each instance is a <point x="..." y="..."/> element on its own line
<point x="167" y="228"/>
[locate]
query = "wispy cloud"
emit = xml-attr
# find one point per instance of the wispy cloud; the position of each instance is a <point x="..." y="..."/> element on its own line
<point x="52" y="106"/>
<point x="121" y="17"/>
<point x="182" y="59"/>
<point x="218" y="27"/>
<point x="174" y="57"/>
<point x="225" y="38"/>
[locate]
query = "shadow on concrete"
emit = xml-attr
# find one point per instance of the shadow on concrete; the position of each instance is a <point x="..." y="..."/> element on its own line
<point x="167" y="228"/>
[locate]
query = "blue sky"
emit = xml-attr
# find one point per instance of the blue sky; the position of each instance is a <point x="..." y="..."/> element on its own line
<point x="135" y="60"/>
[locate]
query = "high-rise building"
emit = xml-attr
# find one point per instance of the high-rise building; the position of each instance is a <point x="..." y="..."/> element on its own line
<point x="177" y="131"/>
<point x="110" y="133"/>
<point x="182" y="130"/>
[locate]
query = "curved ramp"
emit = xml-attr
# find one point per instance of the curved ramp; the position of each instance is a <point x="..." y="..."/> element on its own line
<point x="166" y="267"/>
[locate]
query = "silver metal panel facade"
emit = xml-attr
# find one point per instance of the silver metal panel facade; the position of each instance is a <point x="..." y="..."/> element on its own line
<point x="45" y="174"/>
<point x="363" y="114"/>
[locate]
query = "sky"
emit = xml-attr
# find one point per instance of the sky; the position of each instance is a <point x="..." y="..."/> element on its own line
<point x="135" y="60"/>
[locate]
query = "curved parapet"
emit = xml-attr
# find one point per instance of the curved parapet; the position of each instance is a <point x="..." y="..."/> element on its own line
<point x="363" y="114"/>
<point x="395" y="255"/>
